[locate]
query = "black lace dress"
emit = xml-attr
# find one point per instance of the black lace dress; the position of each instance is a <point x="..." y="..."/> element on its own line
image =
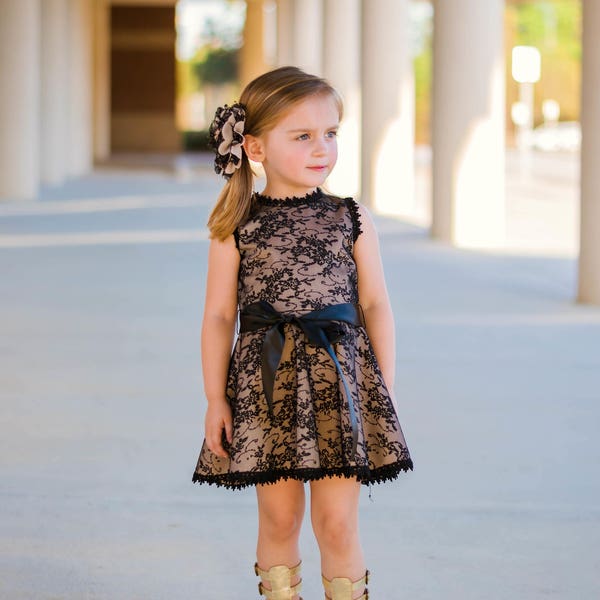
<point x="296" y="254"/>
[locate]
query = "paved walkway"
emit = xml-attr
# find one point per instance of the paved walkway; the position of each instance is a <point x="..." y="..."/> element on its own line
<point x="498" y="379"/>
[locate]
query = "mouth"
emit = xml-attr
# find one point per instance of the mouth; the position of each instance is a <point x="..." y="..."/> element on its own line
<point x="318" y="168"/>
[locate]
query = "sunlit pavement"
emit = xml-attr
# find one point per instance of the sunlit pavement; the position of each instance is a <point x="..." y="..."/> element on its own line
<point x="498" y="372"/>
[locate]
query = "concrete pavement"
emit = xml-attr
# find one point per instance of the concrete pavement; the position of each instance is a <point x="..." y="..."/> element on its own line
<point x="498" y="379"/>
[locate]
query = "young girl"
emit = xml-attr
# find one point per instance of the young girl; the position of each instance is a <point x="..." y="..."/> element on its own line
<point x="306" y="395"/>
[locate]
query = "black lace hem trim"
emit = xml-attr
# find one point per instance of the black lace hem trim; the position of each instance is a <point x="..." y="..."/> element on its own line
<point x="364" y="475"/>
<point x="288" y="200"/>
<point x="355" y="216"/>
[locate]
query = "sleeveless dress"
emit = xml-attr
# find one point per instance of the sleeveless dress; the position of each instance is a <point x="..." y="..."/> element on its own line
<point x="296" y="254"/>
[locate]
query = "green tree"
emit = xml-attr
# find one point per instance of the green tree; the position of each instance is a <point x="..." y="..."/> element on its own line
<point x="554" y="28"/>
<point x="217" y="65"/>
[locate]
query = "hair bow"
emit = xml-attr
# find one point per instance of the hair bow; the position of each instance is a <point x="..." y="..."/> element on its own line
<point x="226" y="135"/>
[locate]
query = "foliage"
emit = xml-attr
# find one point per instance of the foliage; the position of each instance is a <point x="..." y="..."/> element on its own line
<point x="422" y="68"/>
<point x="195" y="141"/>
<point x="554" y="27"/>
<point x="217" y="65"/>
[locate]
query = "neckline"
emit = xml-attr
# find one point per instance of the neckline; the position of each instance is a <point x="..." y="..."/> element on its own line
<point x="288" y="200"/>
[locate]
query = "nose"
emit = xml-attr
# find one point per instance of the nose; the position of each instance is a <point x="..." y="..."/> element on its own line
<point x="320" y="146"/>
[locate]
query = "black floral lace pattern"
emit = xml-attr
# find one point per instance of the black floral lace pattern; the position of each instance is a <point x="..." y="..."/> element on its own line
<point x="297" y="254"/>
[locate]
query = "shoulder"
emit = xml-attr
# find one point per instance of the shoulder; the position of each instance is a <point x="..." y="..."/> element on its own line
<point x="369" y="239"/>
<point x="225" y="249"/>
<point x="354" y="211"/>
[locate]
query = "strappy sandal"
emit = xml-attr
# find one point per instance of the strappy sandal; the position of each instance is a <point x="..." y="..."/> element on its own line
<point x="279" y="579"/>
<point x="341" y="588"/>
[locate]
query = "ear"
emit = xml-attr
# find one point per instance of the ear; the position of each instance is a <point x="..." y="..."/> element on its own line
<point x="254" y="148"/>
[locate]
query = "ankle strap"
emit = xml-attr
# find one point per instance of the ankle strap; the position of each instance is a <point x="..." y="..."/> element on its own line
<point x="342" y="587"/>
<point x="277" y="569"/>
<point x="279" y="578"/>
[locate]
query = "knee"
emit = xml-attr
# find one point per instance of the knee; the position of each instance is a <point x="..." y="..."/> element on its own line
<point x="335" y="530"/>
<point x="281" y="523"/>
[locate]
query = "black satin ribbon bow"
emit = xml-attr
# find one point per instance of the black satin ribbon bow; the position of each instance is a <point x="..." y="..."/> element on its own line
<point x="321" y="328"/>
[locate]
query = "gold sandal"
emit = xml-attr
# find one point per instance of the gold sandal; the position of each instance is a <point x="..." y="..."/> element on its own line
<point x="341" y="588"/>
<point x="280" y="580"/>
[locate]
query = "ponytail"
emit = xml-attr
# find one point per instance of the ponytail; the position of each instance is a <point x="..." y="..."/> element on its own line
<point x="234" y="202"/>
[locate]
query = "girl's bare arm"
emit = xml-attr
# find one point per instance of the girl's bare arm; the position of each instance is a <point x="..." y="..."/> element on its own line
<point x="374" y="299"/>
<point x="218" y="329"/>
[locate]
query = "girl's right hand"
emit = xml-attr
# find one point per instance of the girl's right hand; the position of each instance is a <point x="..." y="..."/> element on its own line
<point x="218" y="417"/>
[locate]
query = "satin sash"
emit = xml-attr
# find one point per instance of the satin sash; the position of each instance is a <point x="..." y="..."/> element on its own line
<point x="321" y="328"/>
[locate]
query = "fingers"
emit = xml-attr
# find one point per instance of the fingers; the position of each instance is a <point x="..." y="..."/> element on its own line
<point x="213" y="441"/>
<point x="214" y="437"/>
<point x="218" y="429"/>
<point x="229" y="430"/>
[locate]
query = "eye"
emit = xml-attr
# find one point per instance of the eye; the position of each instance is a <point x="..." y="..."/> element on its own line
<point x="332" y="134"/>
<point x="303" y="136"/>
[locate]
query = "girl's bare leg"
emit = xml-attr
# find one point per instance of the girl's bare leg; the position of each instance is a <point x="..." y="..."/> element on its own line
<point x="280" y="514"/>
<point x="334" y="515"/>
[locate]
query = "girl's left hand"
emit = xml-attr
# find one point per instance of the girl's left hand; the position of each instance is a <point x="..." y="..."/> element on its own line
<point x="218" y="417"/>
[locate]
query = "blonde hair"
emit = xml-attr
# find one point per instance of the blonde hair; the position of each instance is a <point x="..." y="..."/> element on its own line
<point x="266" y="100"/>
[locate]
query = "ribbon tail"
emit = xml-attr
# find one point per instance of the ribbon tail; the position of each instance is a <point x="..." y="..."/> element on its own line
<point x="271" y="357"/>
<point x="315" y="333"/>
<point x="349" y="402"/>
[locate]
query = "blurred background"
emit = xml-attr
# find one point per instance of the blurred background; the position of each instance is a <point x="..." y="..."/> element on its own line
<point x="472" y="132"/>
<point x="441" y="100"/>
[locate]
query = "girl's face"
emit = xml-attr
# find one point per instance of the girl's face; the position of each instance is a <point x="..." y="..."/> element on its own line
<point x="301" y="150"/>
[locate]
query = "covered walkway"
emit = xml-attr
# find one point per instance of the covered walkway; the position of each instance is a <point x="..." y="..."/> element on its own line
<point x="102" y="405"/>
<point x="82" y="79"/>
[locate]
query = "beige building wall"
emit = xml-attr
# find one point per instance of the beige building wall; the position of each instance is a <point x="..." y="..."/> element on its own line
<point x="252" y="56"/>
<point x="589" y="257"/>
<point x="388" y="115"/>
<point x="468" y="123"/>
<point x="101" y="99"/>
<point x="54" y="80"/>
<point x="19" y="99"/>
<point x="80" y="87"/>
<point x="341" y="66"/>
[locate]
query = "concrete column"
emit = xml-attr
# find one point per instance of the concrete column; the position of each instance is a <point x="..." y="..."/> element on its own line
<point x="468" y="123"/>
<point x="589" y="251"/>
<point x="388" y="111"/>
<point x="270" y="32"/>
<point x="19" y="98"/>
<point x="308" y="36"/>
<point x="101" y="102"/>
<point x="80" y="87"/>
<point x="252" y="61"/>
<point x="54" y="83"/>
<point x="341" y="66"/>
<point x="285" y="33"/>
